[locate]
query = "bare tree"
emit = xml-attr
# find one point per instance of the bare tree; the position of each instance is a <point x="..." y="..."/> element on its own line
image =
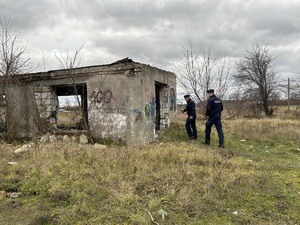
<point x="199" y="71"/>
<point x="256" y="72"/>
<point x="292" y="88"/>
<point x="70" y="63"/>
<point x="12" y="62"/>
<point x="12" y="51"/>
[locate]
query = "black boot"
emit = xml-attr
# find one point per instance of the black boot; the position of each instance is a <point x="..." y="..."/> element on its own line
<point x="205" y="143"/>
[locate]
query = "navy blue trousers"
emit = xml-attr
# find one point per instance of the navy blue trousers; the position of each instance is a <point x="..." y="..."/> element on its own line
<point x="191" y="128"/>
<point x="214" y="120"/>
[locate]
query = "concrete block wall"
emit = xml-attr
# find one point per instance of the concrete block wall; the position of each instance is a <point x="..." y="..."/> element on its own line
<point x="47" y="102"/>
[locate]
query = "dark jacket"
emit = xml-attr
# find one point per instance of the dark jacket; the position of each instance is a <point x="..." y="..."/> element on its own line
<point x="190" y="108"/>
<point x="214" y="106"/>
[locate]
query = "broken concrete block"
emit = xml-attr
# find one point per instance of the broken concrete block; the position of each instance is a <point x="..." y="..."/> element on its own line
<point x="23" y="149"/>
<point x="52" y="138"/>
<point x="66" y="138"/>
<point x="12" y="163"/>
<point x="74" y="139"/>
<point x="83" y="139"/>
<point x="14" y="195"/>
<point x="44" y="139"/>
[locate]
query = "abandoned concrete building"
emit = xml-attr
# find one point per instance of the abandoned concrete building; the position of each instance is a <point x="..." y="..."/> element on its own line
<point x="125" y="100"/>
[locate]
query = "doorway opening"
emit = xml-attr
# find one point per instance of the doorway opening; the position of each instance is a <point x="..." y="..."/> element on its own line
<point x="158" y="90"/>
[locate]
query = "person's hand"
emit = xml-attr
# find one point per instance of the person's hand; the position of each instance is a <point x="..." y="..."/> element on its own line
<point x="182" y="110"/>
<point x="191" y="117"/>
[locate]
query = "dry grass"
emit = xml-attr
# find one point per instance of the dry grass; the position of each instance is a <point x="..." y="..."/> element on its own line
<point x="69" y="118"/>
<point x="194" y="184"/>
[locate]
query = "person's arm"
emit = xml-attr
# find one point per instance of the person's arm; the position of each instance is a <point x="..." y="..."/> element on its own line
<point x="221" y="109"/>
<point x="191" y="109"/>
<point x="208" y="107"/>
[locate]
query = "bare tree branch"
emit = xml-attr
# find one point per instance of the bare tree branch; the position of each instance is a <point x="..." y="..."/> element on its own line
<point x="197" y="72"/>
<point x="255" y="72"/>
<point x="12" y="51"/>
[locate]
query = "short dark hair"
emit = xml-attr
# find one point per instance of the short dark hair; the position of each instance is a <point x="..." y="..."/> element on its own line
<point x="186" y="96"/>
<point x="210" y="91"/>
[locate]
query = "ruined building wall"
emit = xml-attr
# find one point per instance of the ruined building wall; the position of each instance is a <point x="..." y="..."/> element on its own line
<point x="108" y="107"/>
<point x="124" y="101"/>
<point x="162" y="85"/>
<point x="21" y="111"/>
<point x="47" y="104"/>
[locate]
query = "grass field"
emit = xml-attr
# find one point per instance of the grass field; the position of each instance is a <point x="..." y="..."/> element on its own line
<point x="254" y="180"/>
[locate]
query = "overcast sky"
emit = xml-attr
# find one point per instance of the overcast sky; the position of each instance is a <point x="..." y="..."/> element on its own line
<point x="154" y="31"/>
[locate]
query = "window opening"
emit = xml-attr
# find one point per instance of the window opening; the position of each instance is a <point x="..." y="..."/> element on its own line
<point x="71" y="110"/>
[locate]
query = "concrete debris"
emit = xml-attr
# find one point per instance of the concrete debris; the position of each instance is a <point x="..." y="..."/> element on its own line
<point x="74" y="139"/>
<point x="23" y="149"/>
<point x="44" y="139"/>
<point x="83" y="139"/>
<point x="52" y="138"/>
<point x="66" y="138"/>
<point x="12" y="163"/>
<point x="14" y="195"/>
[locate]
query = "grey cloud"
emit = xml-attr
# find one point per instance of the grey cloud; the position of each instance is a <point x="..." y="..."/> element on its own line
<point x="154" y="31"/>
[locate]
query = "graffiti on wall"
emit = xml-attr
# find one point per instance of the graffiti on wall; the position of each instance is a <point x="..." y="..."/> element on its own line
<point x="150" y="107"/>
<point x="138" y="115"/>
<point x="104" y="102"/>
<point x="107" y="116"/>
<point x="102" y="96"/>
<point x="172" y="100"/>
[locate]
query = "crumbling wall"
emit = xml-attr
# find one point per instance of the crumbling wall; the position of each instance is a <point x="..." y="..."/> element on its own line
<point x="166" y="86"/>
<point x="21" y="111"/>
<point x="109" y="107"/>
<point x="121" y="101"/>
<point x="47" y="103"/>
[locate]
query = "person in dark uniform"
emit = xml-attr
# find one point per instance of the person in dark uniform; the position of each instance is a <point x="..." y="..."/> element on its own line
<point x="214" y="108"/>
<point x="190" y="124"/>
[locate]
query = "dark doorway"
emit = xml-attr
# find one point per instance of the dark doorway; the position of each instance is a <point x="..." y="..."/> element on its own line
<point x="158" y="90"/>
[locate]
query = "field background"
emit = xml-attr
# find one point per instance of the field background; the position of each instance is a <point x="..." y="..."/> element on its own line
<point x="255" y="179"/>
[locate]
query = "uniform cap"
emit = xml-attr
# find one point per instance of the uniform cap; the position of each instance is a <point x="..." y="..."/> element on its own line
<point x="186" y="96"/>
<point x="210" y="91"/>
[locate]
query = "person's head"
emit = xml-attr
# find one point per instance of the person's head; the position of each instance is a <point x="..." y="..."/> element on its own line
<point x="210" y="92"/>
<point x="187" y="97"/>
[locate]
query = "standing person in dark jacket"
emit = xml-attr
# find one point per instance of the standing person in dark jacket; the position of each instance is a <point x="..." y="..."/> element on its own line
<point x="190" y="124"/>
<point x="214" y="108"/>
